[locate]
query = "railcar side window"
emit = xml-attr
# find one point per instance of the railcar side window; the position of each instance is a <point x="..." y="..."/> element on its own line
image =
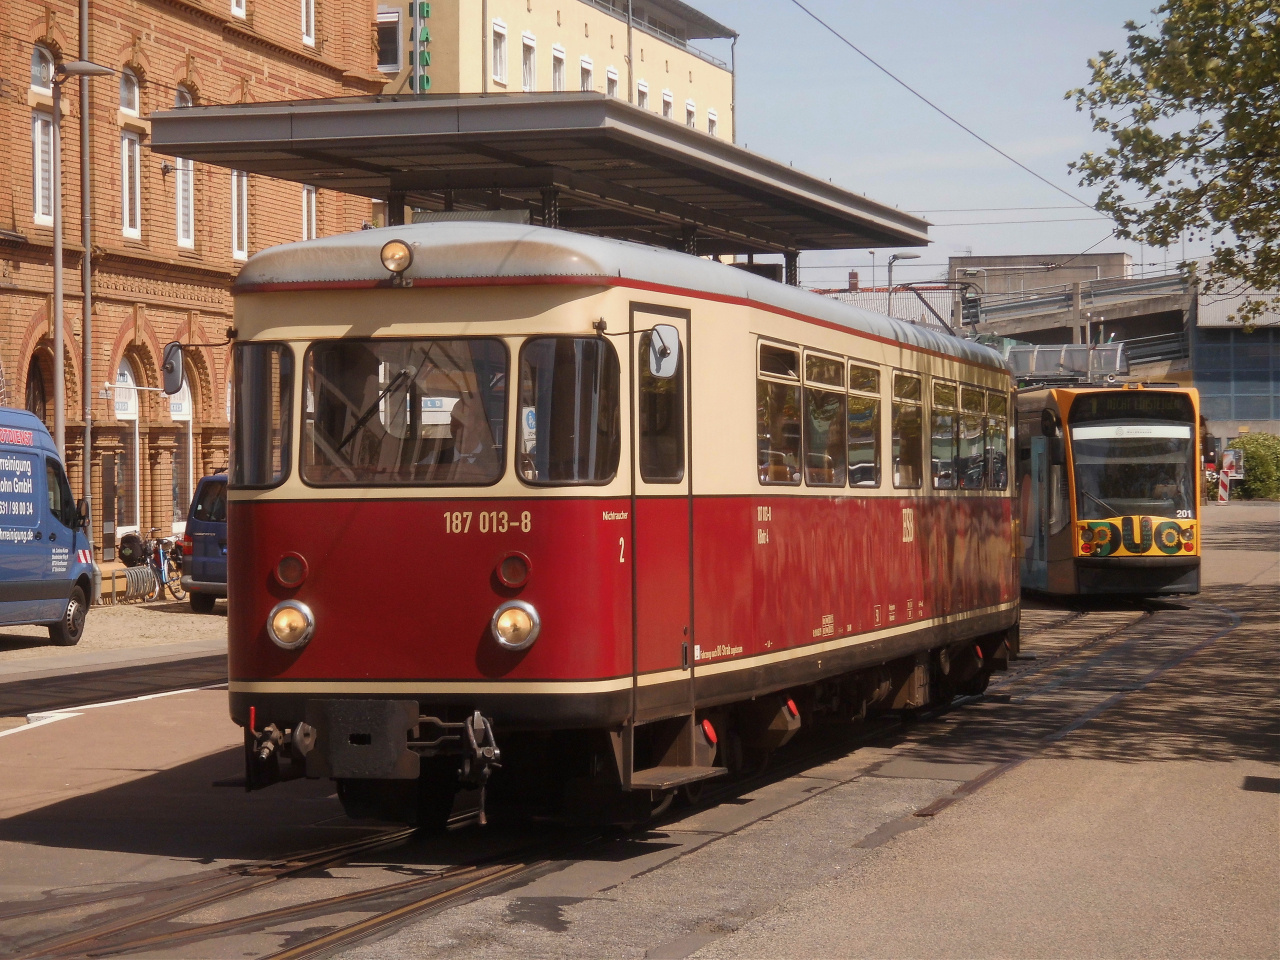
<point x="778" y="415"/>
<point x="570" y="429"/>
<point x="908" y="435"/>
<point x="997" y="441"/>
<point x="971" y="460"/>
<point x="392" y="412"/>
<point x="263" y="415"/>
<point x="864" y="426"/>
<point x="942" y="424"/>
<point x="824" y="422"/>
<point x="661" y="418"/>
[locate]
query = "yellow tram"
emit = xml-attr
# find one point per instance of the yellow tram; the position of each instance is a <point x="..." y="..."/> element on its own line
<point x="1109" y="489"/>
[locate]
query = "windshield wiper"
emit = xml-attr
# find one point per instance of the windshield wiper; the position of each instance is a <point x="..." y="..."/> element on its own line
<point x="405" y="374"/>
<point x="1102" y="503"/>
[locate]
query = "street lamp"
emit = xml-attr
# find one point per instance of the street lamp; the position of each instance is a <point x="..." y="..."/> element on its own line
<point x="76" y="68"/>
<point x="892" y="260"/>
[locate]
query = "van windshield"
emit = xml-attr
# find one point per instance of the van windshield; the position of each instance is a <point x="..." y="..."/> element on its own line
<point x="396" y="412"/>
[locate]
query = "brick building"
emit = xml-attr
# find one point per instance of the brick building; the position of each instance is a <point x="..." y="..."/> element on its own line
<point x="168" y="236"/>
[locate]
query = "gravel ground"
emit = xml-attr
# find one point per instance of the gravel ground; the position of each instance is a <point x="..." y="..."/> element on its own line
<point x="129" y="625"/>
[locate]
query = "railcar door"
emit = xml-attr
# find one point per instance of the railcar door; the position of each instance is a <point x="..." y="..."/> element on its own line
<point x="1035" y="573"/>
<point x="663" y="648"/>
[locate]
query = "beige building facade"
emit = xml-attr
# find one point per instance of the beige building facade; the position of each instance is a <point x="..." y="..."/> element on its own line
<point x="641" y="52"/>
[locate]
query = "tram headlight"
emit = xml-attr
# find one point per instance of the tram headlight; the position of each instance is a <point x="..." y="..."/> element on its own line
<point x="515" y="625"/>
<point x="396" y="256"/>
<point x="1188" y="534"/>
<point x="1086" y="535"/>
<point x="290" y="625"/>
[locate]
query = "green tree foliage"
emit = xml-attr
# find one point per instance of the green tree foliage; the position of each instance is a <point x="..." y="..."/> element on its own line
<point x="1193" y="113"/>
<point x="1261" y="465"/>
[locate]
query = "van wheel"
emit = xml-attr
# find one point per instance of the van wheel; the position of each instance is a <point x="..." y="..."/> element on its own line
<point x="68" y="631"/>
<point x="202" y="602"/>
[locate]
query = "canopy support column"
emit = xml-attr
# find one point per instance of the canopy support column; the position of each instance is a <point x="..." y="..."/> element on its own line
<point x="792" y="260"/>
<point x="551" y="207"/>
<point x="395" y="208"/>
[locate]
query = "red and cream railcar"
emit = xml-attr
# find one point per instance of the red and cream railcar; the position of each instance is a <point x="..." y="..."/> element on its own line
<point x="613" y="516"/>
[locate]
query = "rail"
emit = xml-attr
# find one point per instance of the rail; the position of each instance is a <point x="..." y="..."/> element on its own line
<point x="658" y="33"/>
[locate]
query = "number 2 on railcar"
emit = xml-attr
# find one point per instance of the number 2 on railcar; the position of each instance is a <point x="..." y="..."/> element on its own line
<point x="1109" y="488"/>
<point x="605" y="519"/>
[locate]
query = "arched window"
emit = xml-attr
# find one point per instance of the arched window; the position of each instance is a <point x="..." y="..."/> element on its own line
<point x="183" y="460"/>
<point x="36" y="398"/>
<point x="42" y="69"/>
<point x="42" y="138"/>
<point x="129" y="91"/>
<point x="128" y="491"/>
<point x="185" y="186"/>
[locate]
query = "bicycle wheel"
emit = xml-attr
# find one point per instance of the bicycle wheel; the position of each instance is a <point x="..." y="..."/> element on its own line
<point x="154" y="589"/>
<point x="173" y="577"/>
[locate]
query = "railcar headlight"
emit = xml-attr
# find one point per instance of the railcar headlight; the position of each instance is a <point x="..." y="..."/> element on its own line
<point x="1189" y="534"/>
<point x="290" y="625"/>
<point x="515" y="625"/>
<point x="396" y="256"/>
<point x="1086" y="535"/>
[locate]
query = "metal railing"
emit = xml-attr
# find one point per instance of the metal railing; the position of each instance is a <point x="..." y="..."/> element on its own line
<point x="1162" y="347"/>
<point x="657" y="32"/>
<point x="1093" y="293"/>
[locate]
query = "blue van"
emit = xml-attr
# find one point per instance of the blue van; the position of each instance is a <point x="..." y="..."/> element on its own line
<point x="46" y="561"/>
<point x="204" y="547"/>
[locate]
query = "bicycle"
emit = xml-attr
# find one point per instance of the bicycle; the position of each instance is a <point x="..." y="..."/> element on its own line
<point x="166" y="568"/>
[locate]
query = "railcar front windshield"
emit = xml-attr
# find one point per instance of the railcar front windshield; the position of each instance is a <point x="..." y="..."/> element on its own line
<point x="1130" y="469"/>
<point x="404" y="412"/>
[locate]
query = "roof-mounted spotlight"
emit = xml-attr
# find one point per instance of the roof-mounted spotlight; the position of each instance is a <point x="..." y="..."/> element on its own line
<point x="397" y="256"/>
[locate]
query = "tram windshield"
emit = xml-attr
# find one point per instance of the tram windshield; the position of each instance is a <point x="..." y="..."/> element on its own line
<point x="390" y="412"/>
<point x="1130" y="469"/>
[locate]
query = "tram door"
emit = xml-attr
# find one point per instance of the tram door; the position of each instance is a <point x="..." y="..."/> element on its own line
<point x="1035" y="573"/>
<point x="662" y="511"/>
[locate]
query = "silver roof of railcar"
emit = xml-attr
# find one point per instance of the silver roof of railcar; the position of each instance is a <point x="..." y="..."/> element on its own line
<point x="452" y="251"/>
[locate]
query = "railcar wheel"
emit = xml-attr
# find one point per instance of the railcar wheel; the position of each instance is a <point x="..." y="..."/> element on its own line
<point x="68" y="631"/>
<point x="437" y="788"/>
<point x="201" y="602"/>
<point x="977" y="684"/>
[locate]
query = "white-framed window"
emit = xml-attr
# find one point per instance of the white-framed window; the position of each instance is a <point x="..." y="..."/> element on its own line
<point x="239" y="215"/>
<point x="528" y="62"/>
<point x="42" y="167"/>
<point x="308" y="212"/>
<point x="586" y="74"/>
<point x="642" y="94"/>
<point x="309" y="22"/>
<point x="128" y="486"/>
<point x="557" y="68"/>
<point x="713" y="122"/>
<point x="667" y="105"/>
<point x="131" y="184"/>
<point x="690" y="114"/>
<point x="41" y="69"/>
<point x="185" y="186"/>
<point x="238" y="8"/>
<point x="611" y="81"/>
<point x="389" y="40"/>
<point x="184" y="467"/>
<point x="499" y="50"/>
<point x="129" y="92"/>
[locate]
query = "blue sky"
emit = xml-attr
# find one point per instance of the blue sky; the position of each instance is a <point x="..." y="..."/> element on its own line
<point x="1001" y="68"/>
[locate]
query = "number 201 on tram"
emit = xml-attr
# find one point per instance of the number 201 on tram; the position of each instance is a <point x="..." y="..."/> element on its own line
<point x="580" y="522"/>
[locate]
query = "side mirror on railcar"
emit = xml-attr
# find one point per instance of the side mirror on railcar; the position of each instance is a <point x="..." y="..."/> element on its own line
<point x="664" y="351"/>
<point x="171" y="367"/>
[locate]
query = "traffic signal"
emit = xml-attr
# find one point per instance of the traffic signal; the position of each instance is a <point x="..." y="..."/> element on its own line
<point x="970" y="309"/>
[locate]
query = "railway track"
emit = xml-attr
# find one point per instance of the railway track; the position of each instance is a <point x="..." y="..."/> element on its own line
<point x="1077" y="649"/>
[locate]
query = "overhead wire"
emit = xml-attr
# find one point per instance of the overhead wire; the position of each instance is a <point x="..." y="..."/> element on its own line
<point x="920" y="96"/>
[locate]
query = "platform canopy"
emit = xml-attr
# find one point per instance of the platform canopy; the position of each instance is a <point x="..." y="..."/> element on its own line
<point x="579" y="161"/>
